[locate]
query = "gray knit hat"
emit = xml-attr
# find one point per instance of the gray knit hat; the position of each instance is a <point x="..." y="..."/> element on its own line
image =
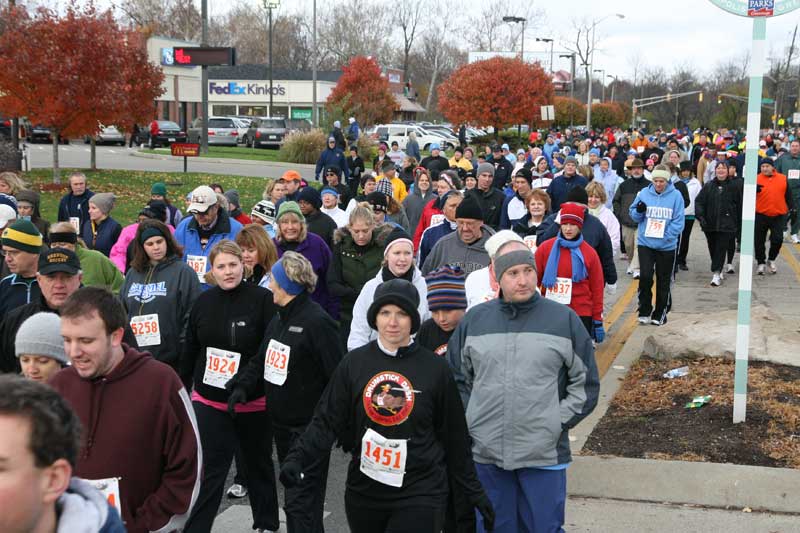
<point x="104" y="201"/>
<point x="485" y="167"/>
<point x="40" y="335"/>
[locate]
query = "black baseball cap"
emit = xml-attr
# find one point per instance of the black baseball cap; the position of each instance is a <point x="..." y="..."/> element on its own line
<point x="59" y="260"/>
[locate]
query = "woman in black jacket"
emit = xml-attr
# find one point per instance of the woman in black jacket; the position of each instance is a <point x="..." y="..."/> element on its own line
<point x="294" y="363"/>
<point x="717" y="209"/>
<point x="395" y="405"/>
<point x="225" y="328"/>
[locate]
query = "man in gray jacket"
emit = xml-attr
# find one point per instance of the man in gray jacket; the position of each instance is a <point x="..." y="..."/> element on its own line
<point x="526" y="371"/>
<point x="465" y="247"/>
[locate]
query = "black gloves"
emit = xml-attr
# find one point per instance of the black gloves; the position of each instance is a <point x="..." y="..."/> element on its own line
<point x="484" y="506"/>
<point x="291" y="474"/>
<point x="238" y="395"/>
<point x="641" y="207"/>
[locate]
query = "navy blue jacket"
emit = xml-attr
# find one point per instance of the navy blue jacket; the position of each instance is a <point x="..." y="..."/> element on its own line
<point x="560" y="187"/>
<point x="74" y="206"/>
<point x="16" y="292"/>
<point x="107" y="234"/>
<point x="594" y="233"/>
<point x="331" y="158"/>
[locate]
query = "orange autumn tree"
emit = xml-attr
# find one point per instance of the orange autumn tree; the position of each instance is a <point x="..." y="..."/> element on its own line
<point x="79" y="69"/>
<point x="363" y="93"/>
<point x="496" y="92"/>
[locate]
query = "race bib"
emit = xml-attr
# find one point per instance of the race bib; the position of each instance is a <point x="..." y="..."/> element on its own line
<point x="640" y="149"/>
<point x="146" y="330"/>
<point x="198" y="264"/>
<point x="383" y="460"/>
<point x="655" y="228"/>
<point x="530" y="241"/>
<point x="109" y="488"/>
<point x="76" y="223"/>
<point x="436" y="219"/>
<point x="276" y="362"/>
<point x="794" y="174"/>
<point x="221" y="365"/>
<point x="561" y="292"/>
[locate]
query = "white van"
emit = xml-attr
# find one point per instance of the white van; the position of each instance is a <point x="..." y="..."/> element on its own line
<point x="389" y="133"/>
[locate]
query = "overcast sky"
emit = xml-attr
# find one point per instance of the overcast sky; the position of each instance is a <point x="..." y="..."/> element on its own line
<point x="670" y="33"/>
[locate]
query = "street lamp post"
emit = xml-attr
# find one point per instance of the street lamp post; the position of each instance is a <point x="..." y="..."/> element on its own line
<point x="602" y="82"/>
<point x="571" y="84"/>
<point x="677" y="100"/>
<point x="548" y="40"/>
<point x="591" y="68"/>
<point x="269" y="5"/>
<point x="518" y="20"/>
<point x="613" y="85"/>
<point x="314" y="111"/>
<point x="204" y="80"/>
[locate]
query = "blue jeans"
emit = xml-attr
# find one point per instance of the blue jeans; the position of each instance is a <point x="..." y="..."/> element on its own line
<point x="527" y="500"/>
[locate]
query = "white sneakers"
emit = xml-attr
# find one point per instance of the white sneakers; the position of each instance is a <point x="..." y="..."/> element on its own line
<point x="761" y="269"/>
<point x="729" y="269"/>
<point x="773" y="268"/>
<point x="795" y="239"/>
<point x="716" y="281"/>
<point x="635" y="274"/>
<point x="644" y="320"/>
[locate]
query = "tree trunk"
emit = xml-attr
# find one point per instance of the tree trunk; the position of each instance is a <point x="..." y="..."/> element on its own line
<point x="432" y="85"/>
<point x="56" y="169"/>
<point x="93" y="158"/>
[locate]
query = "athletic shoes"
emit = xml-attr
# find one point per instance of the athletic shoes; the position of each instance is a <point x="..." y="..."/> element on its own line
<point x="657" y="322"/>
<point x="716" y="281"/>
<point x="635" y="274"/>
<point x="795" y="239"/>
<point x="644" y="320"/>
<point x="773" y="268"/>
<point x="760" y="270"/>
<point x="237" y="491"/>
<point x="683" y="266"/>
<point x="729" y="269"/>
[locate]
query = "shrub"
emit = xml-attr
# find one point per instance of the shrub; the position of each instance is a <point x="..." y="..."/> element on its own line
<point x="9" y="157"/>
<point x="303" y="147"/>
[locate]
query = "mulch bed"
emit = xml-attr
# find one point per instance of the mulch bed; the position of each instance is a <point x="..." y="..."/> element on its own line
<point x="648" y="419"/>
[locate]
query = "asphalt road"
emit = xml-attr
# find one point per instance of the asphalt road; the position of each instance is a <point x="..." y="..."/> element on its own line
<point x="77" y="155"/>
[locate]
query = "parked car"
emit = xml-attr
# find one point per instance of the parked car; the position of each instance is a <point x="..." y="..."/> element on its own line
<point x="389" y="133"/>
<point x="166" y="133"/>
<point x="298" y="124"/>
<point x="266" y="131"/>
<point x="241" y="127"/>
<point x="107" y="135"/>
<point x="39" y="133"/>
<point x="222" y="131"/>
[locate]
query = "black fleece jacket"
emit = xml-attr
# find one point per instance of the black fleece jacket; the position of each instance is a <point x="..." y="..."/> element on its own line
<point x="232" y="320"/>
<point x="314" y="351"/>
<point x="410" y="396"/>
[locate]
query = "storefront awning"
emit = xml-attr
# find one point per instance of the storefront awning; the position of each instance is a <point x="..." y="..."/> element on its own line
<point x="406" y="105"/>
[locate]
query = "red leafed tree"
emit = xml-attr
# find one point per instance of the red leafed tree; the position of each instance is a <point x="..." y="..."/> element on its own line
<point x="568" y="110"/>
<point x="496" y="92"/>
<point x="73" y="71"/>
<point x="607" y="114"/>
<point x="363" y="93"/>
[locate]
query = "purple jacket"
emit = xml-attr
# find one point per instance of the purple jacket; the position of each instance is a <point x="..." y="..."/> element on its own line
<point x="317" y="252"/>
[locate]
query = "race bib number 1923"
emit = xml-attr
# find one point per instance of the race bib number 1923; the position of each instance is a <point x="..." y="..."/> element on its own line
<point x="276" y="362"/>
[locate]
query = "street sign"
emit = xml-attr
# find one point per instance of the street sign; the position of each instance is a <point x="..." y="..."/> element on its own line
<point x="186" y="150"/>
<point x="760" y="8"/>
<point x="191" y="56"/>
<point x="796" y="118"/>
<point x="548" y="112"/>
<point x="767" y="100"/>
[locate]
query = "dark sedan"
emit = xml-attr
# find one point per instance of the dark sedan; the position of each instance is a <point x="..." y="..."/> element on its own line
<point x="164" y="133"/>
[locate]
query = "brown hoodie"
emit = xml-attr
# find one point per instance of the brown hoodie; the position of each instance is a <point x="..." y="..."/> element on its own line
<point x="138" y="426"/>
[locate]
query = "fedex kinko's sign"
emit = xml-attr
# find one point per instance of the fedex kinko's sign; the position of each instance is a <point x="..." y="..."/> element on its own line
<point x="245" y="89"/>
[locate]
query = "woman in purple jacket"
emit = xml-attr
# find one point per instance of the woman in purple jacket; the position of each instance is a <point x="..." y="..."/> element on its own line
<point x="292" y="235"/>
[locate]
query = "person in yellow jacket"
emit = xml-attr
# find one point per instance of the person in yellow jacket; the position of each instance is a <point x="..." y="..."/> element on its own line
<point x="389" y="172"/>
<point x="459" y="161"/>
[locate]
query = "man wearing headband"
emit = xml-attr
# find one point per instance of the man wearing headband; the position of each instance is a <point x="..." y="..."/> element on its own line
<point x="522" y="345"/>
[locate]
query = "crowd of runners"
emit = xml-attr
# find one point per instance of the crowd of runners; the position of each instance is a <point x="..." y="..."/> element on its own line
<point x="436" y="319"/>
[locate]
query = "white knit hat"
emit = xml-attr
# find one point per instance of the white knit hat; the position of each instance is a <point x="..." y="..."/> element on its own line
<point x="40" y="335"/>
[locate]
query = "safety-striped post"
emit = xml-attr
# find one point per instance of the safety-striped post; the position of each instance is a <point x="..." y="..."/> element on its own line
<point x="748" y="219"/>
<point x="759" y="11"/>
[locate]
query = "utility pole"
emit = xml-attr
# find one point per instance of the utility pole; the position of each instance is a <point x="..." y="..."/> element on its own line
<point x="602" y="81"/>
<point x="270" y="5"/>
<point x="204" y="80"/>
<point x="14" y="120"/>
<point x="314" y="67"/>
<point x="571" y="84"/>
<point x="548" y="40"/>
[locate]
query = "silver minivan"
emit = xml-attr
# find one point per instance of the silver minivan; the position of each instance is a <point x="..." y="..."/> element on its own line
<point x="222" y="131"/>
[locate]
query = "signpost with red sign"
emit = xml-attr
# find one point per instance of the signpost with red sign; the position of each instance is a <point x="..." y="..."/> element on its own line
<point x="186" y="150"/>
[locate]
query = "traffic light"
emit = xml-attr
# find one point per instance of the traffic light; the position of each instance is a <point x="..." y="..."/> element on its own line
<point x="700" y="97"/>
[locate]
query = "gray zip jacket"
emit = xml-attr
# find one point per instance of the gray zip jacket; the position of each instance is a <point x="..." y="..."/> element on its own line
<point x="527" y="374"/>
<point x="450" y="250"/>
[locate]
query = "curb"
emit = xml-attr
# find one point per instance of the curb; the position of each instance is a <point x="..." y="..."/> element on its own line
<point x="250" y="162"/>
<point x="721" y="485"/>
<point x="706" y="484"/>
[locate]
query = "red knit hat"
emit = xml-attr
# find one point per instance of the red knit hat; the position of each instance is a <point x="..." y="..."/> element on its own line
<point x="572" y="214"/>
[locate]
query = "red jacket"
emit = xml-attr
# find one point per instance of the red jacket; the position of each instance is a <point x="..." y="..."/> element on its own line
<point x="428" y="211"/>
<point x="139" y="426"/>
<point x="243" y="219"/>
<point x="587" y="295"/>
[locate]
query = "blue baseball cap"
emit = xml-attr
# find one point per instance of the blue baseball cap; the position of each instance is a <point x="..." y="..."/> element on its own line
<point x="435" y="146"/>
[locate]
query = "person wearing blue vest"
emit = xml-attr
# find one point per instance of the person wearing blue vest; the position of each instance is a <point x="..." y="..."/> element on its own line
<point x="207" y="225"/>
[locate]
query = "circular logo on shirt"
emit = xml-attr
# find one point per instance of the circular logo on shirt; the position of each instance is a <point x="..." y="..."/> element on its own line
<point x="388" y="398"/>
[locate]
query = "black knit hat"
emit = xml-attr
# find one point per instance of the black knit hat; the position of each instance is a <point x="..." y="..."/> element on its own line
<point x="311" y="196"/>
<point x="469" y="208"/>
<point x="377" y="200"/>
<point x="578" y="194"/>
<point x="524" y="173"/>
<point x="397" y="292"/>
